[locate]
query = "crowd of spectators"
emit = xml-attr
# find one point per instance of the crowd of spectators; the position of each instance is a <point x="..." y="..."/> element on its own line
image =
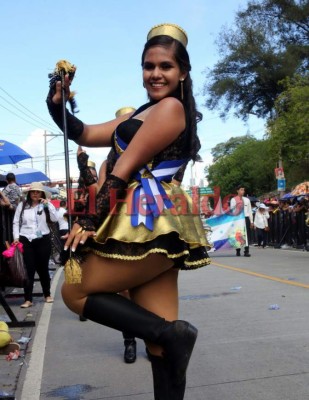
<point x="288" y="222"/>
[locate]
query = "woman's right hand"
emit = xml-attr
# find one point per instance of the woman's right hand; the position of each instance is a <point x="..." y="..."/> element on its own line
<point x="16" y="241"/>
<point x="56" y="98"/>
<point x="77" y="236"/>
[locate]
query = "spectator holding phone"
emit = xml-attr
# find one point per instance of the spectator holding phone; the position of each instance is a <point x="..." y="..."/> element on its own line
<point x="30" y="227"/>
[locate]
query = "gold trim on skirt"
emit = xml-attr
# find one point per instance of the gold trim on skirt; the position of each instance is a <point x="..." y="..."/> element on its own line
<point x="182" y="220"/>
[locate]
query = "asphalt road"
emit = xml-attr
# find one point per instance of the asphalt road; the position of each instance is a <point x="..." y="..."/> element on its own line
<point x="245" y="349"/>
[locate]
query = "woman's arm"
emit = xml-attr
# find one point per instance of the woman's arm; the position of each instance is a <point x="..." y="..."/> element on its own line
<point x="5" y="201"/>
<point x="16" y="228"/>
<point x="52" y="212"/>
<point x="98" y="135"/>
<point x="162" y="125"/>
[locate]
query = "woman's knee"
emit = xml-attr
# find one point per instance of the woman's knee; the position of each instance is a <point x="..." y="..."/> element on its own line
<point x="72" y="298"/>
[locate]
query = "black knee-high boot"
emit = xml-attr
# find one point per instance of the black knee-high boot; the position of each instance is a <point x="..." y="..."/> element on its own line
<point x="163" y="387"/>
<point x="177" y="338"/>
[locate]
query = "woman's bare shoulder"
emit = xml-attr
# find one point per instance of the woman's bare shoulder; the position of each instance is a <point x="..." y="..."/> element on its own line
<point x="169" y="108"/>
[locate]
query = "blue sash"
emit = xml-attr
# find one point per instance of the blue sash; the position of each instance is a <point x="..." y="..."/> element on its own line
<point x="149" y="197"/>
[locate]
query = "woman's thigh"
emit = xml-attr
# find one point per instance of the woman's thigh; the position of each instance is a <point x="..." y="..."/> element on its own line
<point x="101" y="274"/>
<point x="42" y="253"/>
<point x="28" y="257"/>
<point x="160" y="295"/>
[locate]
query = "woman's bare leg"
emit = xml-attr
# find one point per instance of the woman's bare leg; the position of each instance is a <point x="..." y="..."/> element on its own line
<point x="159" y="296"/>
<point x="103" y="275"/>
<point x="96" y="298"/>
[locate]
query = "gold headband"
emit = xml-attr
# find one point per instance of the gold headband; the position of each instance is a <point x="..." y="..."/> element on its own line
<point x="91" y="164"/>
<point x="124" y="110"/>
<point x="172" y="30"/>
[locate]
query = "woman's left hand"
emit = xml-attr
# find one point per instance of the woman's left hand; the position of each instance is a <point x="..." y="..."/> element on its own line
<point x="77" y="236"/>
<point x="44" y="202"/>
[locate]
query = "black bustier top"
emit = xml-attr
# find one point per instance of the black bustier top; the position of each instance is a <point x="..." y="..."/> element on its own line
<point x="175" y="151"/>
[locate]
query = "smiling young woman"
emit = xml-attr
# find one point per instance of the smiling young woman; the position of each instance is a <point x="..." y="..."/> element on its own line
<point x="142" y="245"/>
<point x="161" y="72"/>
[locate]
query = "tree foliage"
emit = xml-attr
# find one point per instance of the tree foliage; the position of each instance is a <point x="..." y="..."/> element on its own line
<point x="227" y="148"/>
<point x="250" y="164"/>
<point x="270" y="42"/>
<point x="288" y="130"/>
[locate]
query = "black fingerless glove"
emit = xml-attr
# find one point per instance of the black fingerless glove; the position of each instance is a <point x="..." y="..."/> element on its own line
<point x="75" y="126"/>
<point x="85" y="171"/>
<point x="113" y="190"/>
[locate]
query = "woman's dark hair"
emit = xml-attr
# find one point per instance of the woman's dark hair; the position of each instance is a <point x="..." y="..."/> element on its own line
<point x="28" y="204"/>
<point x="192" y="115"/>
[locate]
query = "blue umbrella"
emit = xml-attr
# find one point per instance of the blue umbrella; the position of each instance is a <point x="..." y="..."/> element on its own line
<point x="52" y="190"/>
<point x="29" y="175"/>
<point x="10" y="153"/>
<point x="287" y="196"/>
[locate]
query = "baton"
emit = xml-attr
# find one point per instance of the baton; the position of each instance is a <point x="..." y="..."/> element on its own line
<point x="66" y="148"/>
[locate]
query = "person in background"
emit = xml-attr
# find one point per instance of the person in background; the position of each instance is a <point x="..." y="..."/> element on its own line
<point x="63" y="219"/>
<point x="4" y="201"/>
<point x="237" y="204"/>
<point x="12" y="191"/>
<point x="88" y="174"/>
<point x="89" y="179"/>
<point x="261" y="224"/>
<point x="129" y="354"/>
<point x="30" y="227"/>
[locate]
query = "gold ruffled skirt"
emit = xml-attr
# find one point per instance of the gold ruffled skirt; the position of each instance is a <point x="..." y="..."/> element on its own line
<point x="178" y="233"/>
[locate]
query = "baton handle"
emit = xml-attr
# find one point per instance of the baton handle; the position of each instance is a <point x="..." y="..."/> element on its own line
<point x="66" y="148"/>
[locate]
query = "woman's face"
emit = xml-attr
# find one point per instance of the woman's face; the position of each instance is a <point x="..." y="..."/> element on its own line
<point x="161" y="72"/>
<point x="36" y="195"/>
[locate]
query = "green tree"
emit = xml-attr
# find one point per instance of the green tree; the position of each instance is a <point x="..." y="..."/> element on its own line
<point x="250" y="164"/>
<point x="268" y="44"/>
<point x="226" y="148"/>
<point x="288" y="130"/>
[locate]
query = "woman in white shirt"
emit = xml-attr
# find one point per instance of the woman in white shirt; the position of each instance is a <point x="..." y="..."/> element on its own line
<point x="30" y="227"/>
<point x="261" y="224"/>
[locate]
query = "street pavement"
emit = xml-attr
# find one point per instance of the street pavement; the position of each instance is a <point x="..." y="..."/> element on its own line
<point x="246" y="350"/>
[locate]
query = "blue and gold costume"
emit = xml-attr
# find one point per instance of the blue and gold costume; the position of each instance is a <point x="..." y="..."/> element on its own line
<point x="156" y="215"/>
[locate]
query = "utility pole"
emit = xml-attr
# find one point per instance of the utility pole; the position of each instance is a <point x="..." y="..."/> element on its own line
<point x="45" y="147"/>
<point x="45" y="153"/>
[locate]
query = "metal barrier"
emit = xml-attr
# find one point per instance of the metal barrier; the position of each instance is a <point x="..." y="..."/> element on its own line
<point x="286" y="228"/>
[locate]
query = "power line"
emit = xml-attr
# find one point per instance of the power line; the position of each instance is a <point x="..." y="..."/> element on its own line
<point x="12" y="112"/>
<point x="24" y="107"/>
<point x="49" y="159"/>
<point x="28" y="116"/>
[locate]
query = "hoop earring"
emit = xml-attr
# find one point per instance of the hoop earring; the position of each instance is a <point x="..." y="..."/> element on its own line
<point x="181" y="89"/>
